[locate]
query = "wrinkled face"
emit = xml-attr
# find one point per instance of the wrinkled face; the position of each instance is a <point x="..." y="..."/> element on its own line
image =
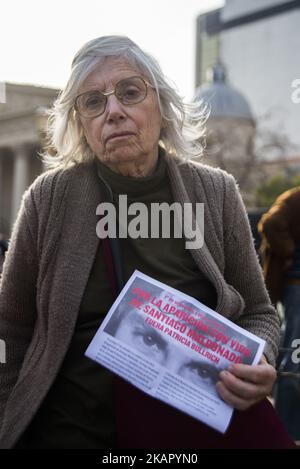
<point x="123" y="133"/>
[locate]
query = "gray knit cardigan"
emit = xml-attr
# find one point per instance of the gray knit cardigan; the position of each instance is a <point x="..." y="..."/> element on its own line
<point x="51" y="252"/>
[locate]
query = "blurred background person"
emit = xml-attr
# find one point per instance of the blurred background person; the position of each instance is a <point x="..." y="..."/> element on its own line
<point x="280" y="230"/>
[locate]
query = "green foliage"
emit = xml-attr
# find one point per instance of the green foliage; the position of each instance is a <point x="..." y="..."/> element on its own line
<point x="267" y="192"/>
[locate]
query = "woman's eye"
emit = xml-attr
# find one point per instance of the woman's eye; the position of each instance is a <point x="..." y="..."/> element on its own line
<point x="93" y="101"/>
<point x="131" y="93"/>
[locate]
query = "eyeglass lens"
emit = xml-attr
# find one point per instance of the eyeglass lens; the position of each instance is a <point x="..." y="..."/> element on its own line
<point x="128" y="91"/>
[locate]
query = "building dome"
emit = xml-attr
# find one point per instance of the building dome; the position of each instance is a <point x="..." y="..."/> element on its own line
<point x="223" y="100"/>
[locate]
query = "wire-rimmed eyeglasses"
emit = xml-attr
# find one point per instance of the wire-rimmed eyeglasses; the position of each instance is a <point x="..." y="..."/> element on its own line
<point x="128" y="91"/>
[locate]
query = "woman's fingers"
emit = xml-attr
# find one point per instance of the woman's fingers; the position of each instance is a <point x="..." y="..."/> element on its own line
<point x="243" y="385"/>
<point x="232" y="399"/>
<point x="239" y="387"/>
<point x="257" y="374"/>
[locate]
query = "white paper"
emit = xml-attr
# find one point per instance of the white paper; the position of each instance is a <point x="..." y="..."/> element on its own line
<point x="172" y="347"/>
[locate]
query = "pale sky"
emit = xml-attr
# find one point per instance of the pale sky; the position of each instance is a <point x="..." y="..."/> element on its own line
<point x="38" y="39"/>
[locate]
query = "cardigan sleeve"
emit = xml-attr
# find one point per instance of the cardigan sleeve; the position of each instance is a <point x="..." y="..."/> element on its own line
<point x="243" y="272"/>
<point x="18" y="296"/>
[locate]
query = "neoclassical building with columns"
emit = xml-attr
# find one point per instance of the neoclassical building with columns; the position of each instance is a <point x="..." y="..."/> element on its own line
<point x="22" y="123"/>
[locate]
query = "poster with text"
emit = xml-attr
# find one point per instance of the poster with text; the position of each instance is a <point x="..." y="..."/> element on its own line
<point x="172" y="347"/>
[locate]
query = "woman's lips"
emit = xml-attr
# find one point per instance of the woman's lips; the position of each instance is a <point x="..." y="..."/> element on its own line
<point x="119" y="136"/>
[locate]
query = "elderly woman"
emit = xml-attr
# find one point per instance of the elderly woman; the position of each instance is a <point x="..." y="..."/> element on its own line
<point x="118" y="128"/>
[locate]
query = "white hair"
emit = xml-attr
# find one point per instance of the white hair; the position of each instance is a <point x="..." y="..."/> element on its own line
<point x="183" y="124"/>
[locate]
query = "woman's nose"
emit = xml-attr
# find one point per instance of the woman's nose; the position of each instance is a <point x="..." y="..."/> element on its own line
<point x="114" y="109"/>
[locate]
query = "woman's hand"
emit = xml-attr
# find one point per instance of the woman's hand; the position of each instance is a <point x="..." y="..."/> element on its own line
<point x="242" y="386"/>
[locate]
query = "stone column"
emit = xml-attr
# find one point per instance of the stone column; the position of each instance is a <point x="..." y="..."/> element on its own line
<point x="20" y="178"/>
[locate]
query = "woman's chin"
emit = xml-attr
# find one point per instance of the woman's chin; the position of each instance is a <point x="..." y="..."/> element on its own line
<point x="119" y="157"/>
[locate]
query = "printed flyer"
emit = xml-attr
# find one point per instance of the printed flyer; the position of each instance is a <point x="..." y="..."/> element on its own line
<point x="172" y="347"/>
